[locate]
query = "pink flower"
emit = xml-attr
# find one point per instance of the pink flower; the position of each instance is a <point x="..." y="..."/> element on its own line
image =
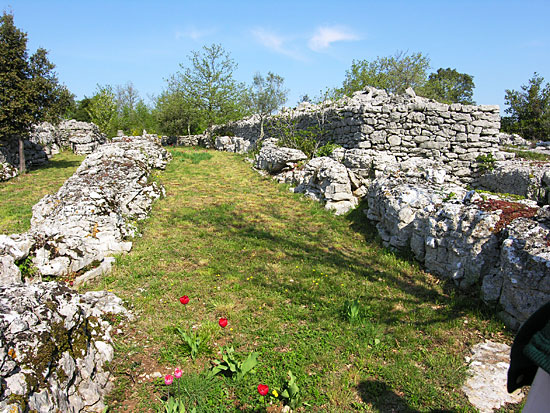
<point x="178" y="373"/>
<point x="223" y="322"/>
<point x="184" y="300"/>
<point x="168" y="379"/>
<point x="263" y="389"/>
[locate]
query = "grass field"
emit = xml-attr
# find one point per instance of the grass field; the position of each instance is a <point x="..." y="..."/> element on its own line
<point x="18" y="195"/>
<point x="360" y="328"/>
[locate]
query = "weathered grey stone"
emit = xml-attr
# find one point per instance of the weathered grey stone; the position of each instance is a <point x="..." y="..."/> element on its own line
<point x="91" y="215"/>
<point x="56" y="339"/>
<point x="488" y="372"/>
<point x="521" y="283"/>
<point x="526" y="179"/>
<point x="274" y="159"/>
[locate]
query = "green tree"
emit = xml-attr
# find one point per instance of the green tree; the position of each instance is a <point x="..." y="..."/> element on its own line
<point x="209" y="85"/>
<point x="103" y="110"/>
<point x="394" y="73"/>
<point x="80" y="110"/>
<point x="265" y="96"/>
<point x="29" y="91"/>
<point x="529" y="110"/>
<point x="176" y="114"/>
<point x="449" y="86"/>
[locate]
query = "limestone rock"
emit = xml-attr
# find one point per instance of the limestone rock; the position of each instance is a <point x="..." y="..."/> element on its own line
<point x="232" y="144"/>
<point x="488" y="372"/>
<point x="90" y="217"/>
<point x="327" y="180"/>
<point x="81" y="137"/>
<point x="528" y="179"/>
<point x="7" y="171"/>
<point x="274" y="159"/>
<point x="522" y="282"/>
<point x="54" y="344"/>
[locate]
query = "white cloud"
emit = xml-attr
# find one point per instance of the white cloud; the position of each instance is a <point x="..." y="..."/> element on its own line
<point x="324" y="36"/>
<point x="194" y="33"/>
<point x="276" y="43"/>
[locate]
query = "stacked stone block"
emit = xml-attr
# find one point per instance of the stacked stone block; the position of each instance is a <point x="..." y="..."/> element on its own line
<point x="404" y="125"/>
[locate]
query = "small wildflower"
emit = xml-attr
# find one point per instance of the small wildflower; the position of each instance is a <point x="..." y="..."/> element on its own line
<point x="168" y="379"/>
<point x="178" y="373"/>
<point x="275" y="394"/>
<point x="184" y="300"/>
<point x="263" y="389"/>
<point x="223" y="322"/>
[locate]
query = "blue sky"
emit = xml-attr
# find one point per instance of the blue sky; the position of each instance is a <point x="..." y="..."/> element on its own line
<point x="310" y="43"/>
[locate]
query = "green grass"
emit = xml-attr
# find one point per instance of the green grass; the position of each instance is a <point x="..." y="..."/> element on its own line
<point x="285" y="272"/>
<point x="529" y="155"/>
<point x="18" y="195"/>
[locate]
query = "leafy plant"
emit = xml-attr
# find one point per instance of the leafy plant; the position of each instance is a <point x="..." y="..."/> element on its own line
<point x="352" y="310"/>
<point x="486" y="162"/>
<point x="291" y="392"/>
<point x="326" y="150"/>
<point x="449" y="196"/>
<point x="192" y="340"/>
<point x="173" y="405"/>
<point x="231" y="366"/>
<point x="27" y="268"/>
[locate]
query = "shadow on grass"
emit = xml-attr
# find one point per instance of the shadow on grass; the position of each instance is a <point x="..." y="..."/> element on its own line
<point x="305" y="246"/>
<point x="384" y="399"/>
<point x="58" y="164"/>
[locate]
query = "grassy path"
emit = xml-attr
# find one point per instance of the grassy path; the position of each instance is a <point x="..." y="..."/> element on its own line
<point x="18" y="195"/>
<point x="286" y="274"/>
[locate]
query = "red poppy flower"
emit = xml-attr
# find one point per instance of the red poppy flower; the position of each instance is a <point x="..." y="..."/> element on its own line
<point x="184" y="300"/>
<point x="263" y="389"/>
<point x="222" y="322"/>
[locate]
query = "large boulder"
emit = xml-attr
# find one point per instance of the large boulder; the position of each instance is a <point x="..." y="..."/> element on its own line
<point x="274" y="159"/>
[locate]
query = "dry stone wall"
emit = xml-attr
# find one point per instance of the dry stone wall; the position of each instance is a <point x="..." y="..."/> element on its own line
<point x="46" y="140"/>
<point x="80" y="137"/>
<point x="404" y="126"/>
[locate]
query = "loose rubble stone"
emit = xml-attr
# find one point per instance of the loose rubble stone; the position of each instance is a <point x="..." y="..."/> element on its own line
<point x="54" y="344"/>
<point x="488" y="372"/>
<point x="326" y="180"/>
<point x="232" y="144"/>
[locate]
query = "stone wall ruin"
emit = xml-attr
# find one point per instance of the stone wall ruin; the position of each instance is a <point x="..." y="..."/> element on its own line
<point x="46" y="140"/>
<point x="404" y="126"/>
<point x="54" y="342"/>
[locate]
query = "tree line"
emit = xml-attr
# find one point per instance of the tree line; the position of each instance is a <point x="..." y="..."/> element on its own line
<point x="204" y="92"/>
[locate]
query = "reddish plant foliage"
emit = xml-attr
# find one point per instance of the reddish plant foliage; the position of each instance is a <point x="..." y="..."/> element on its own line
<point x="510" y="211"/>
